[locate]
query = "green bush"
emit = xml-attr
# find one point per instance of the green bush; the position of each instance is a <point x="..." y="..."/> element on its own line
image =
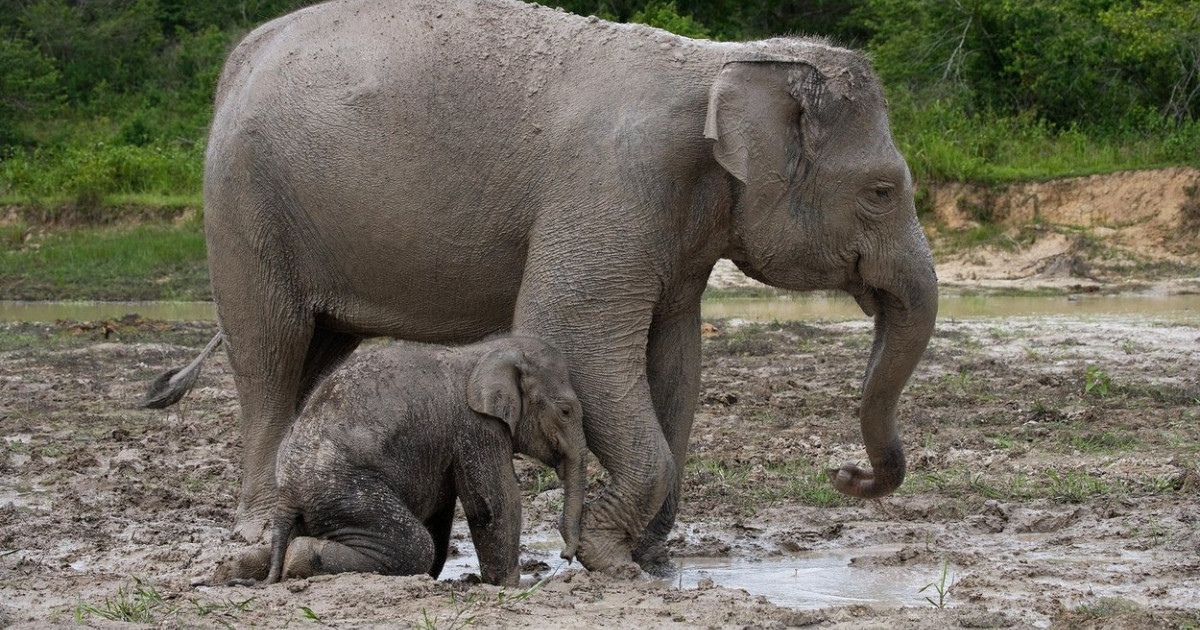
<point x="114" y="97"/>
<point x="28" y="85"/>
<point x="942" y="140"/>
<point x="91" y="173"/>
<point x="1088" y="64"/>
<point x="665" y="15"/>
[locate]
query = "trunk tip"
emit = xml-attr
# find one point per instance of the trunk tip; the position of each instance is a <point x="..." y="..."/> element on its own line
<point x="851" y="480"/>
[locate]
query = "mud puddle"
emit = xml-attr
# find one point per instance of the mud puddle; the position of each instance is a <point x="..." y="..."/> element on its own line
<point x="807" y="580"/>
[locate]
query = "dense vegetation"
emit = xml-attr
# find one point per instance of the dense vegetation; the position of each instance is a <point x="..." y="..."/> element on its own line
<point x="101" y="99"/>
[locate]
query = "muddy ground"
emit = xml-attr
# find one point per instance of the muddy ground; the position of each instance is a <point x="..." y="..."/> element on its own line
<point x="1053" y="481"/>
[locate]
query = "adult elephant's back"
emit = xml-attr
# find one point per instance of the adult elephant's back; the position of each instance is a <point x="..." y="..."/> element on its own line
<point x="396" y="148"/>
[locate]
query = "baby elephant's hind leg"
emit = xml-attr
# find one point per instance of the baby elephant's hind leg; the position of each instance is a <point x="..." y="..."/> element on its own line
<point x="368" y="531"/>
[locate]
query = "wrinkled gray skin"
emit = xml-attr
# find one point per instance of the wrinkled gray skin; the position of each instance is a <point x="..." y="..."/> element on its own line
<point x="370" y="471"/>
<point x="442" y="171"/>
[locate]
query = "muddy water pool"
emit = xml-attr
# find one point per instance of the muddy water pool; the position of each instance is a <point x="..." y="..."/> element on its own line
<point x="810" y="580"/>
<point x="803" y="580"/>
<point x="799" y="307"/>
<point x="1180" y="308"/>
<point x="18" y="311"/>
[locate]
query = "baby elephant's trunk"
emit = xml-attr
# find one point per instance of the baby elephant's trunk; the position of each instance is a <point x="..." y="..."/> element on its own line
<point x="573" y="473"/>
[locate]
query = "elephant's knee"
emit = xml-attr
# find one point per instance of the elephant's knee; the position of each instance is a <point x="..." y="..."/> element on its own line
<point x="660" y="480"/>
<point x="411" y="557"/>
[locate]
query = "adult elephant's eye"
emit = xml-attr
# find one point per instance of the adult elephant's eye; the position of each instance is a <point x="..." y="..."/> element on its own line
<point x="877" y="199"/>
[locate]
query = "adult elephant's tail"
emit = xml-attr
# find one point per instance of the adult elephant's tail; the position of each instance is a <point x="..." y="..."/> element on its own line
<point x="170" y="386"/>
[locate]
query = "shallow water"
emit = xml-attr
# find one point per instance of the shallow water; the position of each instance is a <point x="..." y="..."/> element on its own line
<point x="837" y="308"/>
<point x="813" y="579"/>
<point x="801" y="307"/>
<point x="805" y="580"/>
<point x="17" y="311"/>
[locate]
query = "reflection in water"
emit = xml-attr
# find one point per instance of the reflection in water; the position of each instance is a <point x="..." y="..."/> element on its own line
<point x="798" y="307"/>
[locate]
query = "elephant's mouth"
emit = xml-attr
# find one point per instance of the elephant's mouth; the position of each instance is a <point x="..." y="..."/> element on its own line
<point x="868" y="298"/>
<point x="873" y="299"/>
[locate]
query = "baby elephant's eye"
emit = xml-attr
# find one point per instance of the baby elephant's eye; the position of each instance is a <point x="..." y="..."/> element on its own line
<point x="564" y="411"/>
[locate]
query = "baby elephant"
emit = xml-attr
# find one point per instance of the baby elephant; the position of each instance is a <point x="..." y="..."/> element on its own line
<point x="372" y="466"/>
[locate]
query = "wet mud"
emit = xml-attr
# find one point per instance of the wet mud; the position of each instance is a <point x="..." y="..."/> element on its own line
<point x="1054" y="481"/>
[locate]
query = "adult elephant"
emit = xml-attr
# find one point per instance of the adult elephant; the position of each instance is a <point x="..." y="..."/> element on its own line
<point x="443" y="171"/>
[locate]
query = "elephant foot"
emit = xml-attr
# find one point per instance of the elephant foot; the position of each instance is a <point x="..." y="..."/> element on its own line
<point x="245" y="569"/>
<point x="253" y="520"/>
<point x="627" y="571"/>
<point x="602" y="547"/>
<point x="653" y="557"/>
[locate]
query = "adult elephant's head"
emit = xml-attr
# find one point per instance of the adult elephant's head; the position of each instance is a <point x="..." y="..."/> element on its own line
<point x="825" y="201"/>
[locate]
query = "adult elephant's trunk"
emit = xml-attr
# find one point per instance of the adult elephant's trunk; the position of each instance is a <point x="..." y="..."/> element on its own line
<point x="572" y="471"/>
<point x="905" y="307"/>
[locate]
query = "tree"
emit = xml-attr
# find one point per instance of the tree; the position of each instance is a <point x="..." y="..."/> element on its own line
<point x="28" y="85"/>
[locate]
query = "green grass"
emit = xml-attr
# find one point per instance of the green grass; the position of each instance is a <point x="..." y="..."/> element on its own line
<point x="1106" y="442"/>
<point x="140" y="603"/>
<point x="1059" y="486"/>
<point x="153" y="261"/>
<point x="806" y="485"/>
<point x="798" y="481"/>
<point x="942" y="142"/>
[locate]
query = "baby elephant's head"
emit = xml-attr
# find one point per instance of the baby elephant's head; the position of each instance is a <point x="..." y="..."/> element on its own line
<point x="525" y="383"/>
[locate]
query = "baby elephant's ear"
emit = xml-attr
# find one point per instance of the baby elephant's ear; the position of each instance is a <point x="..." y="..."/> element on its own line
<point x="495" y="386"/>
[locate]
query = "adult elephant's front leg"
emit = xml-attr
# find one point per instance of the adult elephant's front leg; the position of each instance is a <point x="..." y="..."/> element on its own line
<point x="673" y="368"/>
<point x="605" y="345"/>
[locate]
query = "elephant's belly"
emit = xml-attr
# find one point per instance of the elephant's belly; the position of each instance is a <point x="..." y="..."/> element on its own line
<point x="425" y="311"/>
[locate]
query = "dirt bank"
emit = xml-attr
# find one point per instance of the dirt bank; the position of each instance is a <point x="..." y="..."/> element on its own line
<point x="1042" y="503"/>
<point x="1120" y="229"/>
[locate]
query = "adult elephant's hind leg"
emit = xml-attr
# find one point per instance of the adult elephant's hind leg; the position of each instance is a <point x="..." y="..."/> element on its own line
<point x="326" y="351"/>
<point x="267" y="350"/>
<point x="673" y="369"/>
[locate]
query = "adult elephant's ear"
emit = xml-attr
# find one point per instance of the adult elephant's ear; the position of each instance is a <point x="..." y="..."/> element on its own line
<point x="754" y="111"/>
<point x="494" y="388"/>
